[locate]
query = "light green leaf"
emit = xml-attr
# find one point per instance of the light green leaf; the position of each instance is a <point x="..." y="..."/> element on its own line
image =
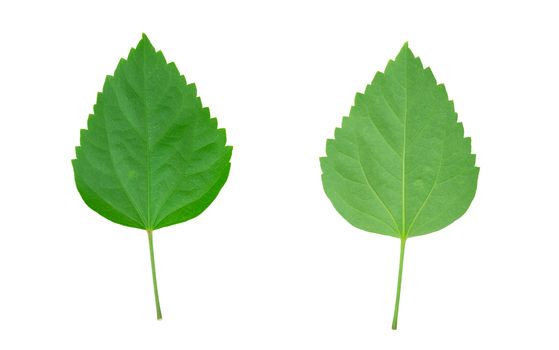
<point x="400" y="164"/>
<point x="151" y="155"/>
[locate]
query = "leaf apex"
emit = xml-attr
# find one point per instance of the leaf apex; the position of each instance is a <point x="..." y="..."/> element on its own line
<point x="405" y="47"/>
<point x="145" y="43"/>
<point x="405" y="51"/>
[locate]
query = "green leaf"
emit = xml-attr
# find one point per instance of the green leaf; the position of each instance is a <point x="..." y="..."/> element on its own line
<point x="400" y="164"/>
<point x="151" y="155"/>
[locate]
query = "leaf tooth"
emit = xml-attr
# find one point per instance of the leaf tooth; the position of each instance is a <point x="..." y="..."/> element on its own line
<point x="107" y="84"/>
<point x="220" y="129"/>
<point x="337" y="134"/>
<point x="131" y="54"/>
<point x="454" y="117"/>
<point x="468" y="144"/>
<point x="329" y="145"/>
<point x="174" y="71"/>
<point x="409" y="51"/>
<point x="452" y="107"/>
<point x="389" y="65"/>
<point x="324" y="163"/>
<point x="359" y="97"/>
<point x="191" y="89"/>
<point x="229" y="152"/>
<point x="441" y="89"/>
<point x="378" y="76"/>
<point x="120" y="67"/>
<point x="76" y="151"/>
<point x="91" y="121"/>
<point x="182" y="79"/>
<point x="213" y="121"/>
<point x="83" y="135"/>
<point x="460" y="128"/>
<point x="345" y="121"/>
<point x="97" y="106"/>
<point x="345" y="136"/>
<point x="161" y="57"/>
<point x="473" y="157"/>
<point x="419" y="62"/>
<point x="204" y="110"/>
<point x="221" y="137"/>
<point x="432" y="80"/>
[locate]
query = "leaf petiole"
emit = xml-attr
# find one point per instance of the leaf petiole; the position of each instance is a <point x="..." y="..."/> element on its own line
<point x="153" y="275"/>
<point x="396" y="307"/>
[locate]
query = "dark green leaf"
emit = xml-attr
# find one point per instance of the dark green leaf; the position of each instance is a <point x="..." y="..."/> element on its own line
<point x="151" y="155"/>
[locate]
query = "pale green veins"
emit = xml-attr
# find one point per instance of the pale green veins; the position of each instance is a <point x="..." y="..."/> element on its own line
<point x="400" y="164"/>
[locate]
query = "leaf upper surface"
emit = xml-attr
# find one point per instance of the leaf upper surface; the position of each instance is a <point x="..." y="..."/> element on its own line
<point x="151" y="155"/>
<point x="400" y="164"/>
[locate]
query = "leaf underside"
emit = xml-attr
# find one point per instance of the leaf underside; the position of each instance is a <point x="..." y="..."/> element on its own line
<point x="400" y="164"/>
<point x="151" y="155"/>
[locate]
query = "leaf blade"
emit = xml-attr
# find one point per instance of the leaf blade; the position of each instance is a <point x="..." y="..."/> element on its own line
<point x="151" y="148"/>
<point x="402" y="134"/>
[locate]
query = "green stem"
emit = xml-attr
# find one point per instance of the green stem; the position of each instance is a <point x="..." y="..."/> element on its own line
<point x="153" y="276"/>
<point x="397" y="306"/>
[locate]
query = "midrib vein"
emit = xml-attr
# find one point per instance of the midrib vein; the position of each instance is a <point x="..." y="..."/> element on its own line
<point x="148" y="155"/>
<point x="404" y="147"/>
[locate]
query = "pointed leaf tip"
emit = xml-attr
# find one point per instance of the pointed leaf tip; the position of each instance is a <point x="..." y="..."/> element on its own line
<point x="405" y="50"/>
<point x="145" y="43"/>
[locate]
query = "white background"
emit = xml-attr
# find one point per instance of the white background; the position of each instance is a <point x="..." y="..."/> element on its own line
<point x="271" y="265"/>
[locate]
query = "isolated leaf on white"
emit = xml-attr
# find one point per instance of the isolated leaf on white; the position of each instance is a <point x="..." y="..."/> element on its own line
<point x="151" y="155"/>
<point x="400" y="164"/>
